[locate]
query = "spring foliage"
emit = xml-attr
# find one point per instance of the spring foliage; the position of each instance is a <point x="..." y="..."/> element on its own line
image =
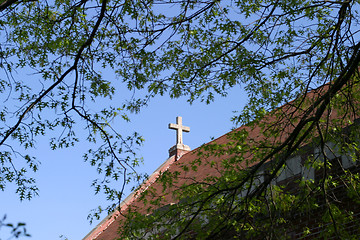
<point x="277" y="51"/>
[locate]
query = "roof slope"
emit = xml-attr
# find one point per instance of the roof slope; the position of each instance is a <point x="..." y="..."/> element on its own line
<point x="108" y="228"/>
<point x="274" y="130"/>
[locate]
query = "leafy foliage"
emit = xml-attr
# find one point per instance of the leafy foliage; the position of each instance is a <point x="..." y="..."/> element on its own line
<point x="278" y="51"/>
<point x="16" y="231"/>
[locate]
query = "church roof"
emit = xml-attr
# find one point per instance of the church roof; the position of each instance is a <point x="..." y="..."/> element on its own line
<point x="107" y="229"/>
<point x="210" y="165"/>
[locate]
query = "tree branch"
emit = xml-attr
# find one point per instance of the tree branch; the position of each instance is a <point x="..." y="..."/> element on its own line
<point x="62" y="77"/>
<point x="8" y="3"/>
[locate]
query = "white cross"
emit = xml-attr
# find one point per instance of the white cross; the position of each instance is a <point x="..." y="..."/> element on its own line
<point x="179" y="129"/>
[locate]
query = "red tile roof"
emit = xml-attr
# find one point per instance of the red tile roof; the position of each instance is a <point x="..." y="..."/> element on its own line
<point x="108" y="228"/>
<point x="289" y="113"/>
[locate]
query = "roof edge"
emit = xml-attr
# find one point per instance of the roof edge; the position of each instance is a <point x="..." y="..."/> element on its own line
<point x="110" y="218"/>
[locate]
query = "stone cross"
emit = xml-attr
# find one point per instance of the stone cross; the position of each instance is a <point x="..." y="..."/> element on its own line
<point x="179" y="130"/>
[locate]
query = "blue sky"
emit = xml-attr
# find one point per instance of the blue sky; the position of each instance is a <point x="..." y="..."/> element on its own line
<point x="64" y="179"/>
